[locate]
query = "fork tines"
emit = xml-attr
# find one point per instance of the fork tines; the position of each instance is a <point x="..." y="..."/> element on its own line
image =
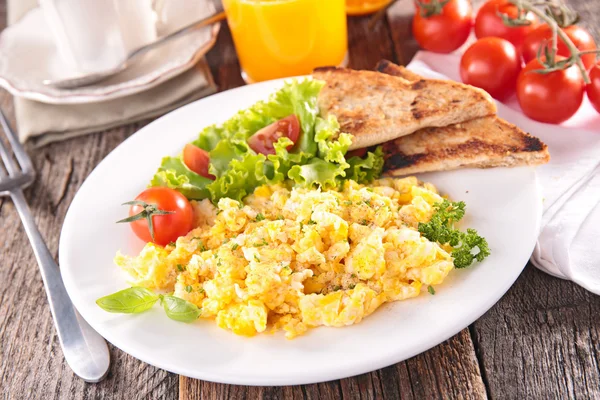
<point x="16" y="169"/>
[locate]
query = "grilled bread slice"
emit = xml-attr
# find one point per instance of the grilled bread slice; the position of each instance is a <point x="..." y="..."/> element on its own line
<point x="483" y="142"/>
<point x="376" y="107"/>
<point x="388" y="67"/>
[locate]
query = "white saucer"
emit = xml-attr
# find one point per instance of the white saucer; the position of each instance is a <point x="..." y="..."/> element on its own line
<point x="28" y="56"/>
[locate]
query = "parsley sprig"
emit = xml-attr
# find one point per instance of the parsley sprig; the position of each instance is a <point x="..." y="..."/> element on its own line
<point x="467" y="246"/>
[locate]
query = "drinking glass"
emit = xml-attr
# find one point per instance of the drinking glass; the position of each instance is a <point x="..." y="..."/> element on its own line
<point x="281" y="38"/>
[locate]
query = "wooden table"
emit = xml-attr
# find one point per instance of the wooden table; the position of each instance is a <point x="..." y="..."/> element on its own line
<point x="542" y="339"/>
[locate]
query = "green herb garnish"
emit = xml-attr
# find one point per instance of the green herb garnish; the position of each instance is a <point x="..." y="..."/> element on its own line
<point x="467" y="246"/>
<point x="263" y="243"/>
<point x="179" y="309"/>
<point x="128" y="301"/>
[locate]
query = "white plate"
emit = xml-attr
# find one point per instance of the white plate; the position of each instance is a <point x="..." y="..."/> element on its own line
<point x="28" y="55"/>
<point x="503" y="204"/>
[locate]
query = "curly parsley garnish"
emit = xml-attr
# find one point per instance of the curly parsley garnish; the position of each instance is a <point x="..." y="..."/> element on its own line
<point x="467" y="246"/>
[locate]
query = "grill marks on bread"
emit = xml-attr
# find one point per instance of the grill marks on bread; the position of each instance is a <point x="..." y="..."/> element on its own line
<point x="482" y="142"/>
<point x="376" y="107"/>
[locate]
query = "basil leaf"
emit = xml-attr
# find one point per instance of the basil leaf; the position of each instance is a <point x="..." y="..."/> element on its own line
<point x="179" y="309"/>
<point x="129" y="301"/>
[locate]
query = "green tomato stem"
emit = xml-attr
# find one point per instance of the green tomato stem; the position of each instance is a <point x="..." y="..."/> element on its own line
<point x="556" y="32"/>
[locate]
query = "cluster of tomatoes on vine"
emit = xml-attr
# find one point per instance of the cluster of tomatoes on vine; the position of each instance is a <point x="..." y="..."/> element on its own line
<point x="514" y="53"/>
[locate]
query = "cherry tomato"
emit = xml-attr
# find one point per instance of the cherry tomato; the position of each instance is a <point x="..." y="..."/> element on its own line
<point x="543" y="33"/>
<point x="445" y="32"/>
<point x="593" y="89"/>
<point x="492" y="64"/>
<point x="488" y="23"/>
<point x="552" y="97"/>
<point x="357" y="153"/>
<point x="197" y="160"/>
<point x="166" y="227"/>
<point x="263" y="140"/>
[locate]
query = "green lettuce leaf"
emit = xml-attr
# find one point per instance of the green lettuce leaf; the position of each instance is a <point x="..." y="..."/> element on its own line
<point x="299" y="98"/>
<point x="330" y="149"/>
<point x="283" y="160"/>
<point x="295" y="97"/>
<point x="364" y="170"/>
<point x="317" y="172"/>
<point x="241" y="178"/>
<point x="316" y="160"/>
<point x="174" y="174"/>
<point x="210" y="137"/>
<point x="222" y="154"/>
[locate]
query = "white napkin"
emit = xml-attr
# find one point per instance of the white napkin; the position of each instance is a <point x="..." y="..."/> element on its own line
<point x="570" y="227"/>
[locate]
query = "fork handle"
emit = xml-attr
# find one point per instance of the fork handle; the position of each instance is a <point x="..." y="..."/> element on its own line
<point x="85" y="350"/>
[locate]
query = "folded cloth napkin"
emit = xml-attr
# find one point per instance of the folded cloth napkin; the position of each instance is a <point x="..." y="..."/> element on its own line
<point x="570" y="226"/>
<point x="44" y="123"/>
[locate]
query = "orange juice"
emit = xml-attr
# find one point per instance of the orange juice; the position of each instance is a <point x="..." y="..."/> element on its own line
<point x="360" y="7"/>
<point x="281" y="38"/>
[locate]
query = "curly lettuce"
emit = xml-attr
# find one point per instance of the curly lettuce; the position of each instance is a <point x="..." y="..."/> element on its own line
<point x="174" y="174"/>
<point x="318" y="159"/>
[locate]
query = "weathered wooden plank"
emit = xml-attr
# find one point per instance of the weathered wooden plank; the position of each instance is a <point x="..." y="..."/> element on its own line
<point x="542" y="340"/>
<point x="31" y="361"/>
<point x="223" y="61"/>
<point x="368" y="44"/>
<point x="399" y="17"/>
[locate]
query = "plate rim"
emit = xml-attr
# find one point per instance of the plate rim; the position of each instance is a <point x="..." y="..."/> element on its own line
<point x="87" y="98"/>
<point x="344" y="371"/>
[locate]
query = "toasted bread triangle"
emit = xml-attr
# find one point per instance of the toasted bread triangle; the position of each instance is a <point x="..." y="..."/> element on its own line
<point x="376" y="107"/>
<point x="482" y="142"/>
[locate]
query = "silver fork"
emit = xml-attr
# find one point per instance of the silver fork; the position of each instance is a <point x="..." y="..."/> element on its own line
<point x="85" y="350"/>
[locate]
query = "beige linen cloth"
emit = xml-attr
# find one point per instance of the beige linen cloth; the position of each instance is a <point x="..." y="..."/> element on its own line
<point x="45" y="123"/>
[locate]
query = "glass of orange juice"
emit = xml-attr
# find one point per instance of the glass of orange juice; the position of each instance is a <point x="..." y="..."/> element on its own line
<point x="281" y="38"/>
<point x="360" y="7"/>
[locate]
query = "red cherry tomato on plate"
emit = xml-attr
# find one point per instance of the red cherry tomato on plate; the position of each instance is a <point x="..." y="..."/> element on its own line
<point x="543" y="33"/>
<point x="445" y="32"/>
<point x="593" y="89"/>
<point x="492" y="64"/>
<point x="263" y="141"/>
<point x="552" y="97"/>
<point x="197" y="160"/>
<point x="171" y="214"/>
<point x="488" y="23"/>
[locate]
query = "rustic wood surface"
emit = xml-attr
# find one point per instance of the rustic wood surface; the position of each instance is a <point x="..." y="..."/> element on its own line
<point x="542" y="340"/>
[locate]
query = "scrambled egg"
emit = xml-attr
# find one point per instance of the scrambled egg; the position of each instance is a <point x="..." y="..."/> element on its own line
<point x="294" y="259"/>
